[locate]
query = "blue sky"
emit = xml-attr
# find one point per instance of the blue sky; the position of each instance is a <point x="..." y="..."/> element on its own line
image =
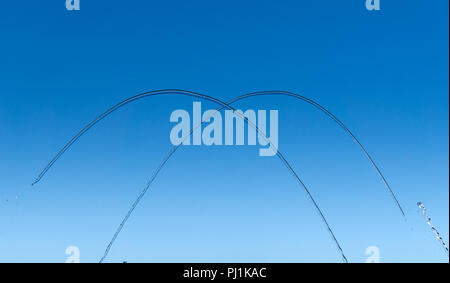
<point x="384" y="73"/>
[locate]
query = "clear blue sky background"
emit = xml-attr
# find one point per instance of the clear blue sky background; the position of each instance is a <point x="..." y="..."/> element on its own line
<point x="385" y="74"/>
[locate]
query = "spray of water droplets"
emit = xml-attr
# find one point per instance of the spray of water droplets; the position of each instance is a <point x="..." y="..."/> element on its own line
<point x="435" y="231"/>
